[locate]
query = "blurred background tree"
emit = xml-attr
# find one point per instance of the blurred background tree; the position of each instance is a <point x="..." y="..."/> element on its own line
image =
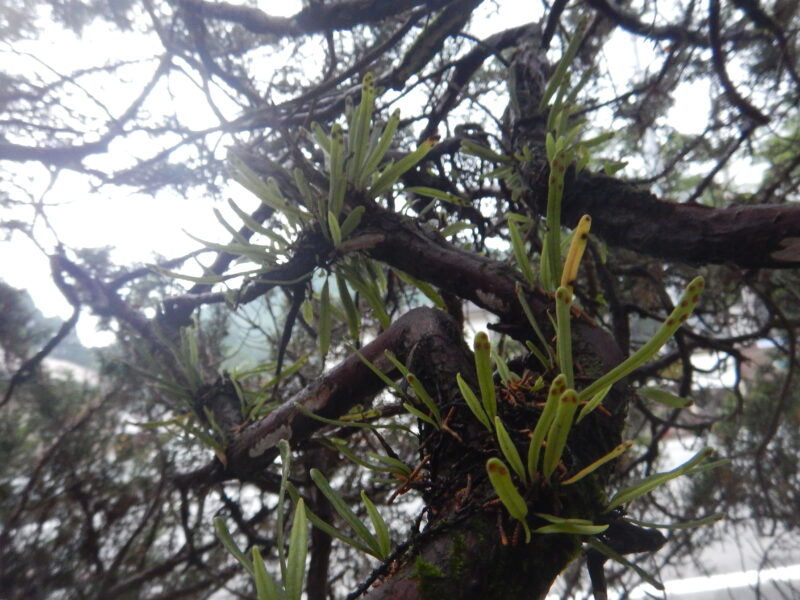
<point x="109" y="484"/>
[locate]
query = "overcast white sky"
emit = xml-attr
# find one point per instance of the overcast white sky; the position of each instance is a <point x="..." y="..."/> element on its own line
<point x="138" y="226"/>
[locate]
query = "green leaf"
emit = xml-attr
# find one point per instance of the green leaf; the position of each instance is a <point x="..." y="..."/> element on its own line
<point x="359" y="132"/>
<point x="323" y="139"/>
<point x="338" y="179"/>
<point x="379" y="151"/>
<point x="307" y="310"/>
<point x="352" y="221"/>
<point x="381" y="529"/>
<point x="392" y="173"/>
<point x="251" y="223"/>
<point x="621" y="448"/>
<point x="572" y="529"/>
<point x="559" y="431"/>
<point x="420" y="415"/>
<point x="238" y="237"/>
<point x="564" y="333"/>
<point x="509" y="450"/>
<point x="455" y="228"/>
<point x="310" y="197"/>
<point x="380" y="374"/>
<point x="324" y="333"/>
<point x="351" y="312"/>
<point x="677" y="317"/>
<point x="594" y="402"/>
<point x="397" y="465"/>
<point x="648" y="484"/>
<point x="438" y="194"/>
<point x="333" y="227"/>
<point x="520" y="255"/>
<point x="298" y="549"/>
<point x="267" y="191"/>
<point x="505" y="373"/>
<point x="420" y="392"/>
<point x="552" y="240"/>
<point x="659" y="395"/>
<point x="559" y="75"/>
<point x="483" y="368"/>
<point x="500" y="478"/>
<point x="611" y="167"/>
<point x="472" y="402"/>
<point x="266" y="587"/>
<point x="286" y="461"/>
<point x="370" y="291"/>
<point x="475" y="149"/>
<point x="330" y="530"/>
<point x="427" y="289"/>
<point x="227" y="540"/>
<point x="546" y="361"/>
<point x="341" y="507"/>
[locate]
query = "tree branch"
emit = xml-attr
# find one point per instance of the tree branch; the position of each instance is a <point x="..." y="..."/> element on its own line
<point x="314" y="18"/>
<point x="745" y="235"/>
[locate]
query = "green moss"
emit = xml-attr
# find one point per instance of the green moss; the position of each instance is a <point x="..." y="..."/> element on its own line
<point x="457" y="563"/>
<point x="430" y="579"/>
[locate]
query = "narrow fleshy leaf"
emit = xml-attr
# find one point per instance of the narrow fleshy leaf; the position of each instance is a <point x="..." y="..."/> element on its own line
<point x="665" y="398"/>
<point x="500" y="478"/>
<point x="376" y="154"/>
<point x="594" y="402"/>
<point x="391" y="174"/>
<point x="325" y="321"/>
<point x="547" y="360"/>
<point x="475" y="149"/>
<point x="648" y="484"/>
<point x="559" y="431"/>
<point x="564" y="333"/>
<point x="378" y="523"/>
<point x="572" y="529"/>
<point x="338" y="178"/>
<point x="509" y="450"/>
<point x="621" y="448"/>
<point x="266" y="587"/>
<point x="423" y="286"/>
<point x="350" y="310"/>
<point x="483" y="367"/>
<point x="472" y="402"/>
<point x="230" y="545"/>
<point x="678" y="316"/>
<point x="352" y="221"/>
<point x="335" y="230"/>
<point x="341" y="507"/>
<point x="520" y="255"/>
<point x="359" y="133"/>
<point x="438" y="194"/>
<point x="557" y="387"/>
<point x="298" y="549"/>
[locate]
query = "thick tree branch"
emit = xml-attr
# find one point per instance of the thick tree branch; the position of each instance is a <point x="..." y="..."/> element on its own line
<point x="747" y="236"/>
<point x="314" y="18"/>
<point x="332" y="395"/>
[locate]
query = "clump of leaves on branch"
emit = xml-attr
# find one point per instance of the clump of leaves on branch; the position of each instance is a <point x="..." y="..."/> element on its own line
<point x="558" y="489"/>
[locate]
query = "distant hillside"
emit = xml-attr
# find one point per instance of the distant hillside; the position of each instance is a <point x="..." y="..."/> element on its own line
<point x="23" y="329"/>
